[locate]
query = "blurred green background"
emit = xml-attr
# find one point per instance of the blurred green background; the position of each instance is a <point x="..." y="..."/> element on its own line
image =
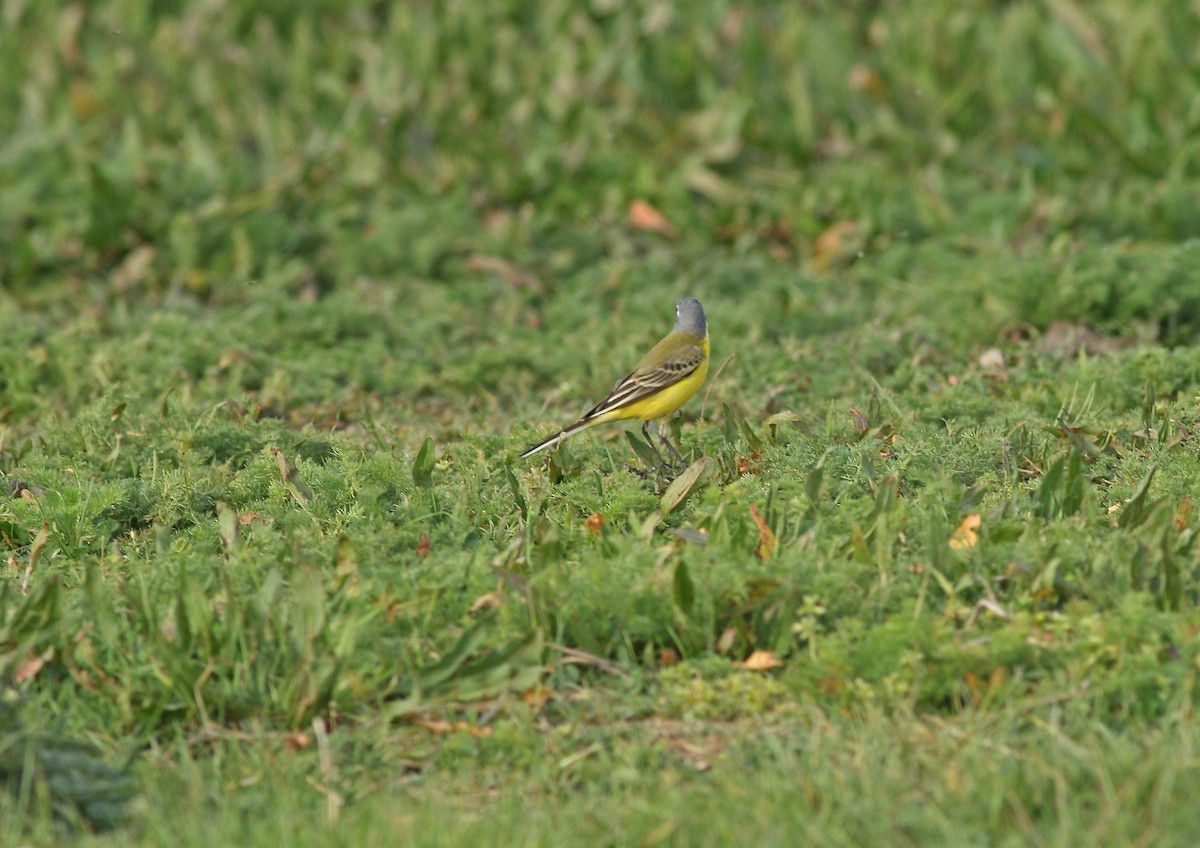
<point x="285" y="288"/>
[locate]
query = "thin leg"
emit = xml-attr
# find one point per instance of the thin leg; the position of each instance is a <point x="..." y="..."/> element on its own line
<point x="671" y="448"/>
<point x="646" y="432"/>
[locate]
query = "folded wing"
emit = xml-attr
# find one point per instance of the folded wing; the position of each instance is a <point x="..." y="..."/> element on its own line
<point x="644" y="382"/>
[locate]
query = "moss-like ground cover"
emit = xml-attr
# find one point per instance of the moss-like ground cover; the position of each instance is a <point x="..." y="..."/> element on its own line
<point x="288" y="287"/>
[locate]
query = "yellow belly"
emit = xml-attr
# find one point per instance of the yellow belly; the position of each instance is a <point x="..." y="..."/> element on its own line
<point x="668" y="400"/>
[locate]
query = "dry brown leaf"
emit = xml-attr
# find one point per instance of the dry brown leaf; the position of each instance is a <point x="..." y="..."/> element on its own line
<point x="39" y="544"/>
<point x="867" y="80"/>
<point x="1182" y="513"/>
<point x="297" y="741"/>
<point x="766" y="537"/>
<point x="594" y="523"/>
<point x="725" y="643"/>
<point x="643" y="216"/>
<point x="760" y="661"/>
<point x="749" y="464"/>
<point x="286" y="470"/>
<point x="236" y="356"/>
<point x="992" y="359"/>
<point x="967" y="533"/>
<point x="440" y="727"/>
<point x="492" y="600"/>
<point x="838" y="242"/>
<point x="536" y="697"/>
<point x="422" y="547"/>
<point x="993" y="364"/>
<point x="135" y="267"/>
<point x="30" y="668"/>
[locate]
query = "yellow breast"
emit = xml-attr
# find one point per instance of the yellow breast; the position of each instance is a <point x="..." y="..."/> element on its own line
<point x="671" y="398"/>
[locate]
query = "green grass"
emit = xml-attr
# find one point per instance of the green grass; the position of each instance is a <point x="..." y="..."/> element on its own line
<point x="286" y="292"/>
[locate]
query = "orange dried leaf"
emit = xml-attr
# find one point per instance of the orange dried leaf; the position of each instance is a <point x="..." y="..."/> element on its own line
<point x="867" y="80"/>
<point x="492" y="600"/>
<point x="30" y="668"/>
<point x="594" y="523"/>
<point x="296" y="742"/>
<point x="967" y="534"/>
<point x="643" y="216"/>
<point x="536" y="697"/>
<point x="838" y="242"/>
<point x="760" y="661"/>
<point x="248" y="518"/>
<point x="766" y="537"/>
<point x="422" y="548"/>
<point x="749" y="464"/>
<point x="1182" y="513"/>
<point x="82" y="101"/>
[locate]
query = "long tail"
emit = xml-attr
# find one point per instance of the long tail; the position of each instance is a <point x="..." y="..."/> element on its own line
<point x="566" y="433"/>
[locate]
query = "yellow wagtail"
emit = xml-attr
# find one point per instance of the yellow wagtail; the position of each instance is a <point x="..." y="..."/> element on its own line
<point x="663" y="381"/>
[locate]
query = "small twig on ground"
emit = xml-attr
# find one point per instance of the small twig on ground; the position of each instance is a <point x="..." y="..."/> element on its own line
<point x="578" y="657"/>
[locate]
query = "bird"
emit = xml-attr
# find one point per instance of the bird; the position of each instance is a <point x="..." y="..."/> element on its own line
<point x="663" y="381"/>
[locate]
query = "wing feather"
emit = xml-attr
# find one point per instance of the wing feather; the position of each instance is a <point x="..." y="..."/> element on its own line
<point x="642" y="383"/>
